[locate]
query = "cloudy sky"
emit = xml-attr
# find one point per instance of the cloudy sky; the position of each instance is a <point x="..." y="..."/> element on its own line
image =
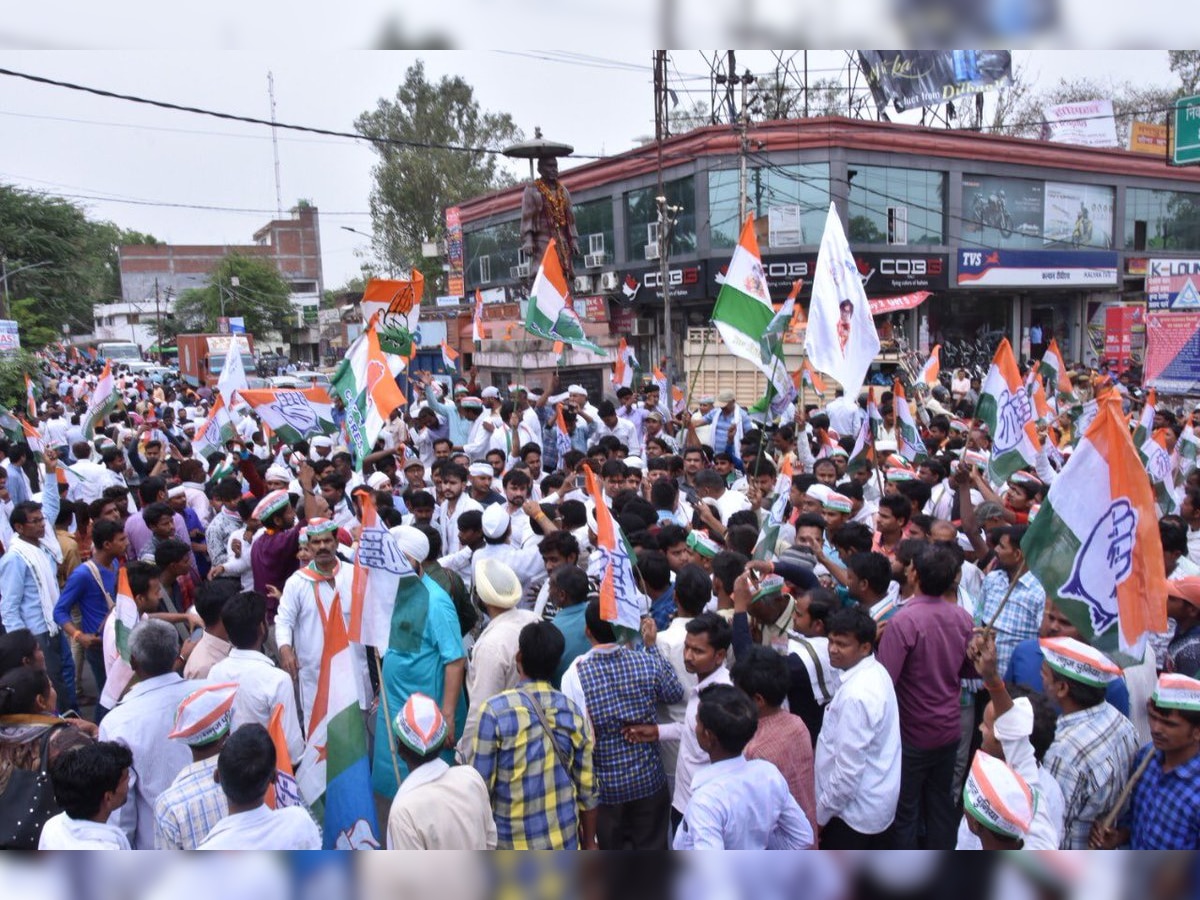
<point x="187" y="178"/>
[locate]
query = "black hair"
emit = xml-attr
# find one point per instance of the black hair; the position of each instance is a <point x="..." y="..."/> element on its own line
<point x="718" y="630"/>
<point x="1174" y="538"/>
<point x="211" y="598"/>
<point x="854" y="621"/>
<point x="561" y="542"/>
<point x="471" y="520"/>
<point x="573" y="582"/>
<point x="741" y="539"/>
<point x="247" y="764"/>
<point x="22" y="511"/>
<point x="654" y="569"/>
<point x="140" y="574"/>
<point x="1014" y="533"/>
<point x="852" y="536"/>
<point x="242" y="616"/>
<point x="729" y="715"/>
<point x="664" y="494"/>
<point x="614" y="468"/>
<point x="454" y="470"/>
<point x="574" y="514"/>
<point x="150" y="488"/>
<point x="84" y="774"/>
<point x="937" y="570"/>
<point x="709" y="479"/>
<point x="1083" y="695"/>
<point x="727" y="565"/>
<point x="15" y="647"/>
<point x="671" y="535"/>
<point x="20" y="688"/>
<point x="811" y="520"/>
<point x="541" y="646"/>
<point x="227" y="490"/>
<point x="693" y="589"/>
<point x="601" y="630"/>
<point x="822" y="602"/>
<point x="762" y="671"/>
<point x="105" y="531"/>
<point x="851" y="490"/>
<point x="916" y="492"/>
<point x="526" y="449"/>
<point x="169" y="552"/>
<point x="156" y="512"/>
<point x="1045" y="718"/>
<point x="897" y="505"/>
<point x="873" y="568"/>
<point x="517" y="478"/>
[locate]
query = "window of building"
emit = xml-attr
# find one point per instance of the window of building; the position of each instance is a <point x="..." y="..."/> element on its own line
<point x="641" y="219"/>
<point x="492" y="253"/>
<point x="594" y="222"/>
<point x="1020" y="212"/>
<point x="789" y="203"/>
<point x="1161" y="220"/>
<point x="896" y="206"/>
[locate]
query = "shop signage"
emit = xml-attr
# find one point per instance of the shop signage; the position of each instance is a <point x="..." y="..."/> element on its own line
<point x="882" y="274"/>
<point x="687" y="282"/>
<point x="1173" y="352"/>
<point x="1173" y="284"/>
<point x="982" y="267"/>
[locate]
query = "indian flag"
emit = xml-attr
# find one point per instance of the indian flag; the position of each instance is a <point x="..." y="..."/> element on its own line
<point x="1094" y="544"/>
<point x="293" y="414"/>
<point x="125" y="618"/>
<point x="449" y="357"/>
<point x="769" y="536"/>
<point x="562" y="437"/>
<point x="215" y="431"/>
<point x="621" y="601"/>
<point x="102" y="401"/>
<point x="550" y="314"/>
<point x="395" y="307"/>
<point x="33" y="438"/>
<point x="864" y="444"/>
<point x="810" y="377"/>
<point x="745" y="317"/>
<point x="1005" y="407"/>
<point x="477" y="332"/>
<point x="1054" y="373"/>
<point x="283" y="791"/>
<point x="379" y="565"/>
<point x="1152" y="449"/>
<point x="369" y="392"/>
<point x="932" y="368"/>
<point x="335" y="776"/>
<point x="908" y="436"/>
<point x="1037" y="393"/>
<point x="30" y="399"/>
<point x="825" y="443"/>
<point x="625" y="365"/>
<point x="1187" y="448"/>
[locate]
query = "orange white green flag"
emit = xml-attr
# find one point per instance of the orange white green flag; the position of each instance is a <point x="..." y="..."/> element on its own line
<point x="932" y="368"/>
<point x="102" y="401"/>
<point x="366" y="383"/>
<point x="1054" y="375"/>
<point x="562" y="437"/>
<point x="550" y="314"/>
<point x="908" y="436"/>
<point x="621" y="601"/>
<point x="1005" y="407"/>
<point x="1095" y="546"/>
<point x="768" y="538"/>
<point x="1152" y="449"/>
<point x="394" y="305"/>
<point x="30" y="399"/>
<point x="379" y="565"/>
<point x="625" y="365"/>
<point x="477" y="332"/>
<point x="294" y="414"/>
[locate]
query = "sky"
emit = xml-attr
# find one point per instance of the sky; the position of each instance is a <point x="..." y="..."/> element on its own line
<point x="187" y="178"/>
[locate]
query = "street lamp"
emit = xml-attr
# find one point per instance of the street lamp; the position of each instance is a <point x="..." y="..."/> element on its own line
<point x="5" y="272"/>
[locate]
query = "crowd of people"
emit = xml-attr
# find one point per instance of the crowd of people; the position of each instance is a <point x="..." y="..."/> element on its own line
<point x="855" y="657"/>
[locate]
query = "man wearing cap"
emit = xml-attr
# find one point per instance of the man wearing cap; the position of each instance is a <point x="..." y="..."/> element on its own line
<point x="273" y="553"/>
<point x="1183" y="605"/>
<point x="526" y="561"/>
<point x="998" y="804"/>
<point x="186" y="812"/>
<point x="729" y="423"/>
<point x="320" y="447"/>
<point x="480" y="439"/>
<point x="436" y="807"/>
<point x="1164" y="809"/>
<point x="458" y="419"/>
<point x="481" y="475"/>
<point x="492" y="666"/>
<point x="1094" y="745"/>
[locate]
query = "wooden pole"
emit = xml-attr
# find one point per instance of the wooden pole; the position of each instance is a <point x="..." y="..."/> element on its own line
<point x="387" y="717"/>
<point x="1123" y="798"/>
<point x="999" y="609"/>
<point x="687" y="403"/>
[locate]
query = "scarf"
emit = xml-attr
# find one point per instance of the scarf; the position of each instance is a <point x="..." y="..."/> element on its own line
<point x="37" y="558"/>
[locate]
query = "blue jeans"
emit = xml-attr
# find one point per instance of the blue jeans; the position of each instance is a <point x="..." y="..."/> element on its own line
<point x="60" y="667"/>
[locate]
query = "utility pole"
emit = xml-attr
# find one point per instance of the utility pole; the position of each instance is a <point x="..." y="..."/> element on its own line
<point x="664" y="218"/>
<point x="158" y="324"/>
<point x="275" y="145"/>
<point x="743" y="129"/>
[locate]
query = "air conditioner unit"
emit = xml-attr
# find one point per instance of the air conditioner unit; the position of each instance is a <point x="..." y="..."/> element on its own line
<point x="521" y="271"/>
<point x="651" y="250"/>
<point x="595" y="243"/>
<point x="641" y="328"/>
<point x="609" y="281"/>
<point x="583" y="284"/>
<point x="897" y="217"/>
<point x="594" y="260"/>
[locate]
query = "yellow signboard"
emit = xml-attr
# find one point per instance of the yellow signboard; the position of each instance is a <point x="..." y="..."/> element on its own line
<point x="1146" y="137"/>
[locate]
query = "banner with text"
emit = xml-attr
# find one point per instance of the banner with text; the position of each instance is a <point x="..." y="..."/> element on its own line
<point x="1173" y="352"/>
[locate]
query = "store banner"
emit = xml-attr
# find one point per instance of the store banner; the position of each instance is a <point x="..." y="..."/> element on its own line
<point x="687" y="281"/>
<point x="1006" y="206"/>
<point x="1173" y="352"/>
<point x="882" y="273"/>
<point x="913" y="78"/>
<point x="1088" y="124"/>
<point x="1079" y="215"/>
<point x="1036" y="268"/>
<point x="10" y="336"/>
<point x="1148" y="138"/>
<point x="1021" y="212"/>
<point x="1173" y="284"/>
<point x="881" y="306"/>
<point x="1118" y="337"/>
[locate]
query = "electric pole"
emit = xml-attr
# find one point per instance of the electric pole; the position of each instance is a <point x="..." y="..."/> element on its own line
<point x="661" y="129"/>
<point x="743" y="129"/>
<point x="158" y="324"/>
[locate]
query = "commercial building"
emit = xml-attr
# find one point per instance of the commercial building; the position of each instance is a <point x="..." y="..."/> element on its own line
<point x="1010" y="237"/>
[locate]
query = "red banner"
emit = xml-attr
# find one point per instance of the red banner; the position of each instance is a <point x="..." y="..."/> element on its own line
<point x="1118" y="336"/>
<point x="883" y="305"/>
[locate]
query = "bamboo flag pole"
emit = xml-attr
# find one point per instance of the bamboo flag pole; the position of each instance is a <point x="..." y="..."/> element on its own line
<point x="387" y="717"/>
<point x="687" y="403"/>
<point x="1123" y="798"/>
<point x="999" y="609"/>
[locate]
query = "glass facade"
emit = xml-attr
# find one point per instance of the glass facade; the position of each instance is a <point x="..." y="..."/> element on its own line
<point x="591" y="220"/>
<point x="1171" y="220"/>
<point x="896" y="206"/>
<point x="1020" y="212"/>
<point x="790" y="203"/>
<point x="499" y="246"/>
<point x="641" y="211"/>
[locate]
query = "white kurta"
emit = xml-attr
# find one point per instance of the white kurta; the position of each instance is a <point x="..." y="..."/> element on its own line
<point x="298" y="624"/>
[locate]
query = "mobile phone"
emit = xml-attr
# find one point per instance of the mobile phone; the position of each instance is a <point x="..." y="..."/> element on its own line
<point x="580" y="481"/>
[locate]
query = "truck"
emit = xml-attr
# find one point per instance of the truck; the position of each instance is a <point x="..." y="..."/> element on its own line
<point x="202" y="356"/>
<point x="118" y="351"/>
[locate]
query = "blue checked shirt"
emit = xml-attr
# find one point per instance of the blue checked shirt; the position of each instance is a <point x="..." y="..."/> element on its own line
<point x="622" y="687"/>
<point x="1164" y="813"/>
<point x="535" y="801"/>
<point x="186" y="812"/>
<point x="1090" y="758"/>
<point x="1021" y="617"/>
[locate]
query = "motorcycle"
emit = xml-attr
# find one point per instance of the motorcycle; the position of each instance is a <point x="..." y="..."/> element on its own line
<point x="992" y="211"/>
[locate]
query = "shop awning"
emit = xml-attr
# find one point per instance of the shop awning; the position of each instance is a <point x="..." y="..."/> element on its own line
<point x="883" y="305"/>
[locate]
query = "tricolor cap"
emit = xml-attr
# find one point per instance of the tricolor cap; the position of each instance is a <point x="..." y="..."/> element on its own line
<point x="839" y="451"/>
<point x="769" y="587"/>
<point x="321" y="526"/>
<point x="1076" y="660"/>
<point x="818" y="492"/>
<point x="205" y="715"/>
<point x="460" y="388"/>
<point x="419" y="725"/>
<point x="302" y="540"/>
<point x="838" y="503"/>
<point x="278" y="473"/>
<point x="998" y="798"/>
<point x="480" y="469"/>
<point x="1026" y="479"/>
<point x="271" y="504"/>
<point x="700" y="543"/>
<point x="960" y="425"/>
<point x="976" y="458"/>
<point x="898" y="475"/>
<point x="471" y="403"/>
<point x="490" y="393"/>
<point x="1186" y="589"/>
<point x="1177" y="691"/>
<point x="898" y="461"/>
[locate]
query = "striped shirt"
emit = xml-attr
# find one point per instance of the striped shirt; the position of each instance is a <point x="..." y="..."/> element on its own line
<point x="1021" y="617"/>
<point x="186" y="812"/>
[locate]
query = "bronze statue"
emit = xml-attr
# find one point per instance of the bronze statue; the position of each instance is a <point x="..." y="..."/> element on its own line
<point x="546" y="213"/>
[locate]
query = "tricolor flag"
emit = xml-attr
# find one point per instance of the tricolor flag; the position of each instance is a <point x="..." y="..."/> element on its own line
<point x="625" y="365"/>
<point x="335" y="776"/>
<point x="841" y="339"/>
<point x="908" y="436"/>
<point x="1152" y="449"/>
<point x="30" y="399"/>
<point x="550" y="314"/>
<point x="1005" y="407"/>
<point x="294" y="414"/>
<point x="215" y="431"/>
<point x="449" y="357"/>
<point x="746" y="318"/>
<point x="932" y="368"/>
<point x="233" y="373"/>
<point x="1094" y="544"/>
<point x="125" y="618"/>
<point x="1043" y="414"/>
<point x="283" y="791"/>
<point x="1187" y="448"/>
<point x="864" y="444"/>
<point x="769" y="536"/>
<point x="33" y="438"/>
<point x="825" y="443"/>
<point x="379" y="564"/>
<point x="477" y="332"/>
<point x="562" y="437"/>
<point x="394" y="305"/>
<point x="368" y="389"/>
<point x="811" y="378"/>
<point x="1054" y="374"/>
<point x="621" y="602"/>
<point x="102" y="401"/>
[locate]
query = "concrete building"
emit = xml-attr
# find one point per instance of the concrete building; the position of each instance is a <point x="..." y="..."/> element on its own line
<point x="132" y="321"/>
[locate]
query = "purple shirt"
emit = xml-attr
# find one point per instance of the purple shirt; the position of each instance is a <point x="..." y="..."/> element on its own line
<point x="273" y="561"/>
<point x="924" y="649"/>
<point x="138" y="533"/>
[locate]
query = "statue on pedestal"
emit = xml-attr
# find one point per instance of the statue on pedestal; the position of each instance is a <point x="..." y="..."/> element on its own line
<point x="546" y="213"/>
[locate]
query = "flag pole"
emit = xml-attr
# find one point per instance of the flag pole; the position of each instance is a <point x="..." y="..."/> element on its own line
<point x="387" y="716"/>
<point x="1004" y="602"/>
<point x="1109" y="819"/>
<point x="687" y="403"/>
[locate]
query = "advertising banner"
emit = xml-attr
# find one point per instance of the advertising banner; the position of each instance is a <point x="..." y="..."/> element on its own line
<point x="1005" y="207"/>
<point x="883" y="305"/>
<point x="1173" y="352"/>
<point x="1173" y="284"/>
<point x="909" y="79"/>
<point x="592" y="309"/>
<point x="454" y="252"/>
<point x="1118" y="337"/>
<point x="882" y="273"/>
<point x="10" y="338"/>
<point x="1148" y="138"/>
<point x="1088" y="124"/>
<point x="1078" y="215"/>
<point x="1036" y="268"/>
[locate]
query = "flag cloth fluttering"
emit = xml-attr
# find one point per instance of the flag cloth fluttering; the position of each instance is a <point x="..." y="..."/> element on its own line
<point x="550" y="314"/>
<point x="625" y="365"/>
<point x="233" y="372"/>
<point x="908" y="436"/>
<point x="863" y="453"/>
<point x="283" y="791"/>
<point x="367" y="385"/>
<point x="215" y="431"/>
<point x="768" y="538"/>
<point x="1152" y="450"/>
<point x="932" y="368"/>
<point x="621" y="602"/>
<point x="102" y="401"/>
<point x="30" y="399"/>
<point x="294" y="414"/>
<point x="477" y="332"/>
<point x="394" y="305"/>
<point x="379" y="564"/>
<point x="562" y="437"/>
<point x="449" y="357"/>
<point x="1006" y="409"/>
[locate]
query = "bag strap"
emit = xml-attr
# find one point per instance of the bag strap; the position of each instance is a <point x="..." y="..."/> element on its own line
<point x="95" y="570"/>
<point x="536" y="709"/>
<point x="817" y="667"/>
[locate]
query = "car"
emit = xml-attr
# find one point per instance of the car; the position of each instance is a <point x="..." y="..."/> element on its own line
<point x="300" y="380"/>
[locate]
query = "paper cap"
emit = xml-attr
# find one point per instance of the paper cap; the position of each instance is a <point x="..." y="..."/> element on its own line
<point x="420" y="725"/>
<point x="700" y="543"/>
<point x="1177" y="691"/>
<point x="204" y="716"/>
<point x="481" y="469"/>
<point x="998" y="798"/>
<point x="271" y="504"/>
<point x="496" y="521"/>
<point x="1078" y="661"/>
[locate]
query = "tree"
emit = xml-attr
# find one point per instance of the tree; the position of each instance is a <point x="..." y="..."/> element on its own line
<point x="13" y="369"/>
<point x="1185" y="64"/>
<point x="260" y="297"/>
<point x="415" y="184"/>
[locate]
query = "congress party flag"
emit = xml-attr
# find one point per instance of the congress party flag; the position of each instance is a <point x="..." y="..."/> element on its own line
<point x="294" y="414"/>
<point x="477" y="332"/>
<point x="1005" y="407"/>
<point x="449" y="357"/>
<point x="908" y="436"/>
<point x="621" y="601"/>
<point x="283" y="791"/>
<point x="395" y="307"/>
<point x="1094" y="544"/>
<point x="33" y="438"/>
<point x="562" y="437"/>
<point x="379" y="564"/>
<point x="1152" y="449"/>
<point x="215" y="431"/>
<point x="550" y="314"/>
<point x="625" y="365"/>
<point x="932" y="368"/>
<point x="30" y="399"/>
<point x="863" y="453"/>
<point x="367" y="385"/>
<point x="1054" y="375"/>
<point x="102" y="401"/>
<point x="1187" y="448"/>
<point x="769" y="536"/>
<point x="841" y="339"/>
<point x="810" y="377"/>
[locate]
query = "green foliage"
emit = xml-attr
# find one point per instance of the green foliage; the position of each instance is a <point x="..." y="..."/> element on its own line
<point x="13" y="369"/>
<point x="261" y="298"/>
<point x="32" y="322"/>
<point x="414" y="185"/>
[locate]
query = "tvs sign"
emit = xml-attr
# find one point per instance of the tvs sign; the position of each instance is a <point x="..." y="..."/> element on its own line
<point x="882" y="274"/>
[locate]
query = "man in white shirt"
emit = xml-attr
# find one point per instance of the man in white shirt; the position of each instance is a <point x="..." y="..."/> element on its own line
<point x="858" y="751"/>
<point x="710" y="486"/>
<point x="607" y="422"/>
<point x="693" y="591"/>
<point x="454" y="503"/>
<point x="845" y="415"/>
<point x="261" y="685"/>
<point x="736" y="803"/>
<point x="245" y="768"/>
<point x="90" y="783"/>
